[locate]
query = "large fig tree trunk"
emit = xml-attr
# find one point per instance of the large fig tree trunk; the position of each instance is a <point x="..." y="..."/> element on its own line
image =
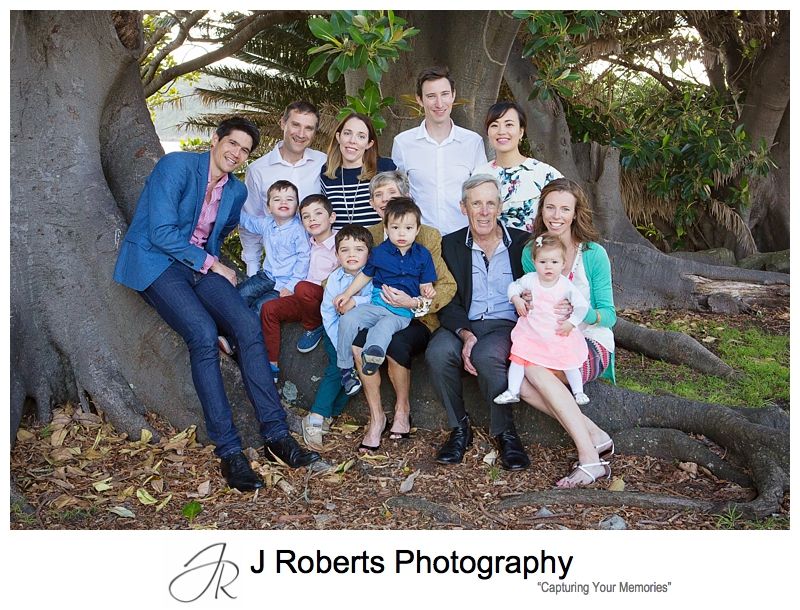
<point x="82" y="144"/>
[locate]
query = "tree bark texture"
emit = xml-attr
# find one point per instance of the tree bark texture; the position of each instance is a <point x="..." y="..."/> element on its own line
<point x="76" y="334"/>
<point x="473" y="44"/>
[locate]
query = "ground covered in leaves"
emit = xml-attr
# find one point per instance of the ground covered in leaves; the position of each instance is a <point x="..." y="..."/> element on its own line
<point x="76" y="472"/>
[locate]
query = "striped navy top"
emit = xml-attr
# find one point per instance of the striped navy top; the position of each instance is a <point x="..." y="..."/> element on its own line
<point x="350" y="197"/>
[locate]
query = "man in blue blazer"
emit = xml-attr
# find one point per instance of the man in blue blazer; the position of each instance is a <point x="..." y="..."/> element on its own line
<point x="170" y="256"/>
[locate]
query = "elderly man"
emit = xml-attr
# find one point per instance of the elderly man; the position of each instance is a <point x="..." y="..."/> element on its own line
<point x="170" y="256"/>
<point x="476" y="325"/>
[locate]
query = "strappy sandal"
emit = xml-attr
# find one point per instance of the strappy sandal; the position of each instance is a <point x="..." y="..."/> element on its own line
<point x="606" y="453"/>
<point x="584" y="468"/>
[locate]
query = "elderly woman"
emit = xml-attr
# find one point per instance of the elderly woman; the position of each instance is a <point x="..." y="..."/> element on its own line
<point x="521" y="178"/>
<point x="412" y="340"/>
<point x="564" y="211"/>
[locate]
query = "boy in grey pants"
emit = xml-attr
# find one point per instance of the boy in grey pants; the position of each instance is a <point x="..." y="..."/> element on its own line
<point x="400" y="263"/>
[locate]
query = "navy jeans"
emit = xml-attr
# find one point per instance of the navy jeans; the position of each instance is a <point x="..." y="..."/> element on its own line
<point x="257" y="290"/>
<point x="199" y="307"/>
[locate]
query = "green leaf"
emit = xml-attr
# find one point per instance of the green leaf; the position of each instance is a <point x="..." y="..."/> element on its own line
<point x="191" y="509"/>
<point x="320" y="28"/>
<point x="361" y="57"/>
<point x="315" y="66"/>
<point x="373" y="71"/>
<point x="325" y="47"/>
<point x="360" y="22"/>
<point x="333" y="73"/>
<point x="356" y="36"/>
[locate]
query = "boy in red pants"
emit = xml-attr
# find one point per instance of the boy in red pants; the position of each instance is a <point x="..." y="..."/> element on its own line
<point x="317" y="217"/>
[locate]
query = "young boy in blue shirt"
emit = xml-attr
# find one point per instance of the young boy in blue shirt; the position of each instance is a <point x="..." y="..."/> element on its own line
<point x="287" y="250"/>
<point x="353" y="243"/>
<point x="398" y="262"/>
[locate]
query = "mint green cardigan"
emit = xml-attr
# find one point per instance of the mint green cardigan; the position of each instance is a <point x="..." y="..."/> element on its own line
<point x="601" y="294"/>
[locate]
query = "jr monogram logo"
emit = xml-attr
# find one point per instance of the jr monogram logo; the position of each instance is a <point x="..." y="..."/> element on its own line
<point x="204" y="569"/>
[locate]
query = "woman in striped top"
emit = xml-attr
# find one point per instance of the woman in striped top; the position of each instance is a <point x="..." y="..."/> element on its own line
<point x="352" y="162"/>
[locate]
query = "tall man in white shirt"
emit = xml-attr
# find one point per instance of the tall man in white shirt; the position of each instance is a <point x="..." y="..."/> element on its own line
<point x="291" y="160"/>
<point x="438" y="156"/>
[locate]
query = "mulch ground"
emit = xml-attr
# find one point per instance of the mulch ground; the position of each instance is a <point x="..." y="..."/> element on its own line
<point x="77" y="472"/>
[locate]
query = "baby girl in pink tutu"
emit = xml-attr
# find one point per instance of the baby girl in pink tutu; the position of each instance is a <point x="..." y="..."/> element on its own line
<point x="539" y="338"/>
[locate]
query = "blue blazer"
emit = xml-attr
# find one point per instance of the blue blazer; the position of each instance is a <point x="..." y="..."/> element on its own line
<point x="166" y="215"/>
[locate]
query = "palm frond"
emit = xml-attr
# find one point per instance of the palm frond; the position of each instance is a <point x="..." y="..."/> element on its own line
<point x="734" y="224"/>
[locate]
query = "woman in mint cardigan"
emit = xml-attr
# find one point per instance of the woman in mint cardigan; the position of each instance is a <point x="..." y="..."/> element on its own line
<point x="564" y="211"/>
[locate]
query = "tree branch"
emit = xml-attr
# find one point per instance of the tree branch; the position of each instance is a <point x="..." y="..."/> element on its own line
<point x="185" y="26"/>
<point x="239" y="37"/>
<point x="670" y="84"/>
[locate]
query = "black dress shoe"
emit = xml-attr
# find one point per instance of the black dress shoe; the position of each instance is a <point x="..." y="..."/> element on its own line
<point x="237" y="472"/>
<point x="452" y="452"/>
<point x="512" y="453"/>
<point x="288" y="451"/>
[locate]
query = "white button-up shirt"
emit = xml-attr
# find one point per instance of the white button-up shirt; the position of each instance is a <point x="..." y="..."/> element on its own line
<point x="436" y="171"/>
<point x="263" y="173"/>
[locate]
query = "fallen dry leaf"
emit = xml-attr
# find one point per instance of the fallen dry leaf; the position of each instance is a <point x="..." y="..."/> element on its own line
<point x="617" y="484"/>
<point x="58" y="437"/>
<point x="144" y="497"/>
<point x="204" y="488"/>
<point x="689" y="467"/>
<point x="103" y="485"/>
<point x="23" y="435"/>
<point x="121" y="511"/>
<point x="408" y="484"/>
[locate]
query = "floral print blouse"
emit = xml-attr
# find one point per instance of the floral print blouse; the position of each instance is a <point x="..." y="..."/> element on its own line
<point x="520" y="187"/>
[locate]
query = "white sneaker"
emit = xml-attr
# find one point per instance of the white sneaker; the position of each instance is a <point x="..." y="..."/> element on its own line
<point x="506" y="398"/>
<point x="581" y="399"/>
<point x="312" y="434"/>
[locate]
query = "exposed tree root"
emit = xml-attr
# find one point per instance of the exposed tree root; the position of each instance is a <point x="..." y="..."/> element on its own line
<point x="670" y="346"/>
<point x="673" y="444"/>
<point x="436" y="511"/>
<point x="599" y="497"/>
<point x="763" y="450"/>
<point x="645" y="278"/>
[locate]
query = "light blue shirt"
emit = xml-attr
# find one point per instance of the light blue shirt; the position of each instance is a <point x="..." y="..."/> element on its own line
<point x="339" y="281"/>
<point x="287" y="251"/>
<point x="490" y="280"/>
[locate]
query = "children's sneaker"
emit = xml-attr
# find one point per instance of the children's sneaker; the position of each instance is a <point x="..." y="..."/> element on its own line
<point x="309" y="340"/>
<point x="350" y="381"/>
<point x="312" y="433"/>
<point x="581" y="399"/>
<point x="371" y="359"/>
<point x="275" y="370"/>
<point x="506" y="398"/>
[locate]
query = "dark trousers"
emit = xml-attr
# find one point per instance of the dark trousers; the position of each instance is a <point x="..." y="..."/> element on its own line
<point x="199" y="307"/>
<point x="489" y="357"/>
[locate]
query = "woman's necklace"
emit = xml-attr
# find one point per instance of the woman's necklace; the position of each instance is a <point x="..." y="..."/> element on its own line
<point x="350" y="208"/>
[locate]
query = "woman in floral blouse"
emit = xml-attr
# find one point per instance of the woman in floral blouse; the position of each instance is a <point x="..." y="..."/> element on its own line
<point x="521" y="178"/>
